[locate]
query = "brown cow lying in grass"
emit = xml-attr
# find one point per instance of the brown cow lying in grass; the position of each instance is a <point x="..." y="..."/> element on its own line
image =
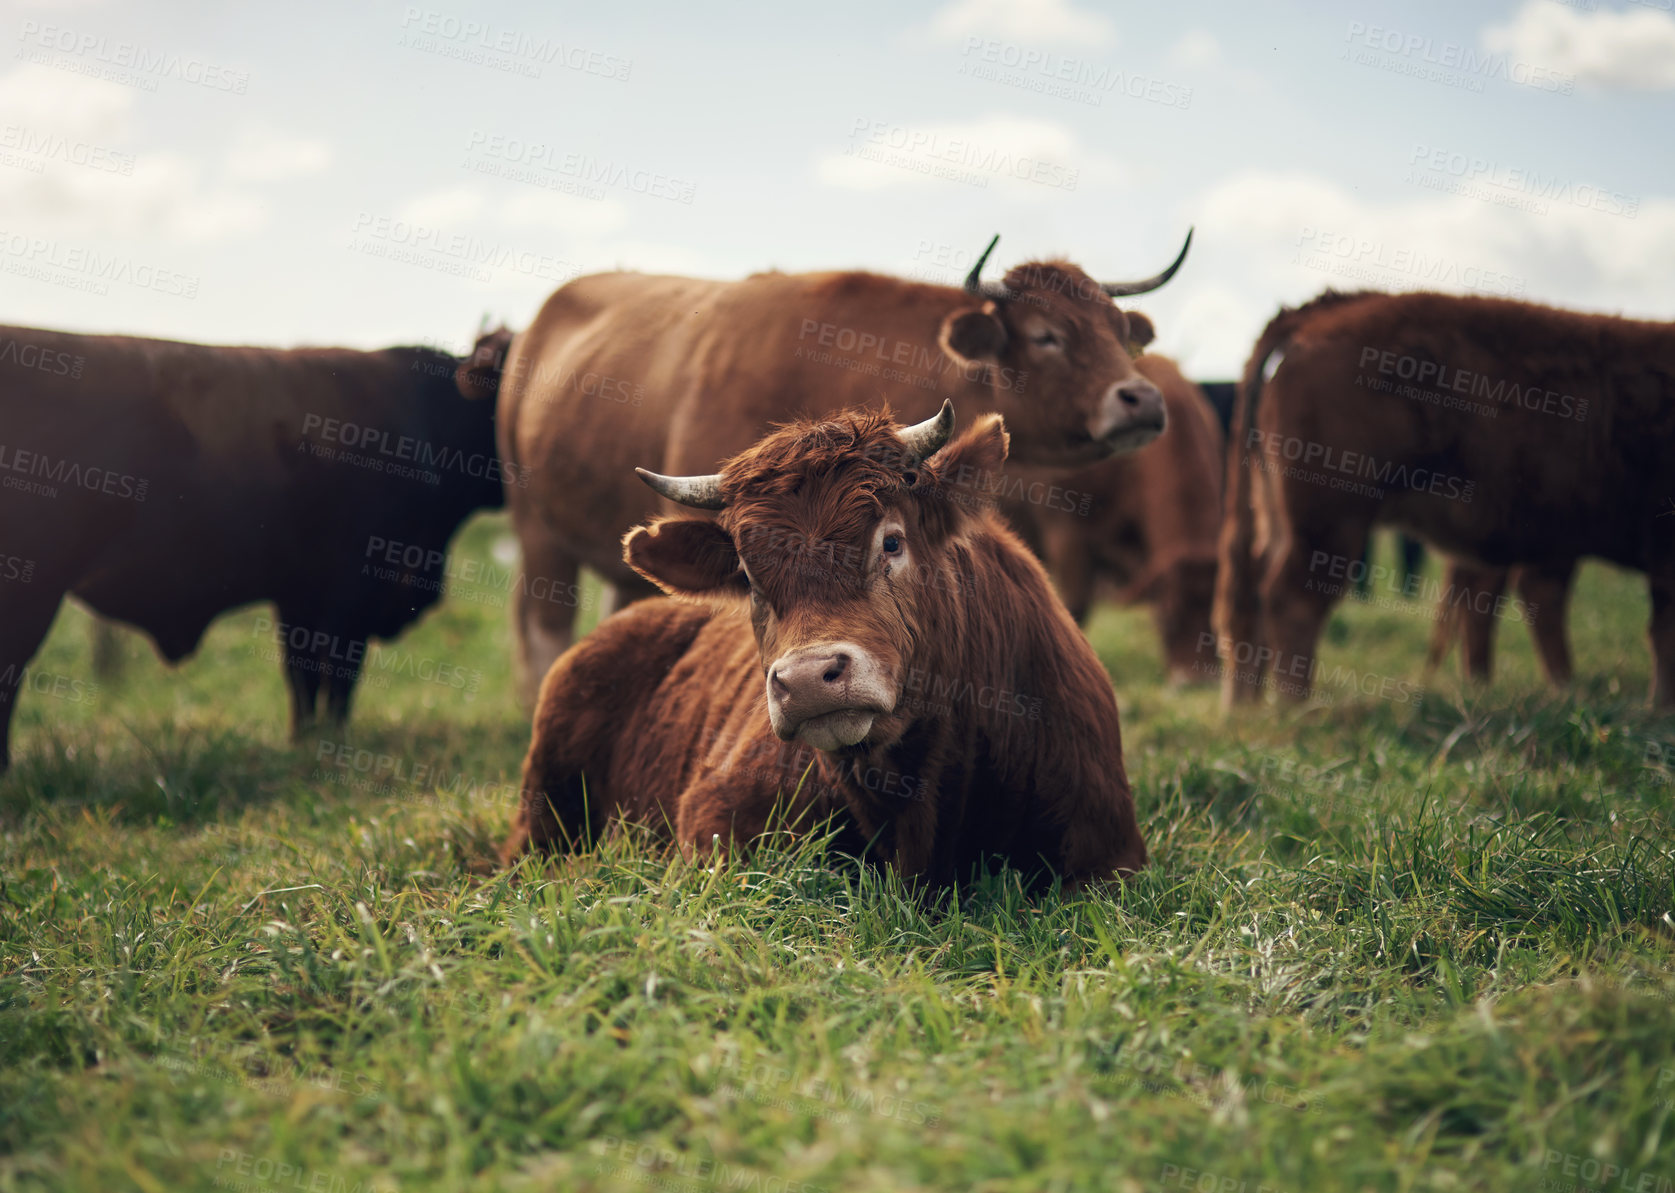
<point x="856" y="599"/>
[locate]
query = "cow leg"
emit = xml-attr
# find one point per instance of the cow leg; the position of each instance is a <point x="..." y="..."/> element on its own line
<point x="543" y="612"/>
<point x="26" y="613"/>
<point x="341" y="678"/>
<point x="302" y="672"/>
<point x="1412" y="554"/>
<point x="1294" y="604"/>
<point x="1479" y="594"/>
<point x="1546" y="593"/>
<point x="1447" y="625"/>
<point x="1663" y="641"/>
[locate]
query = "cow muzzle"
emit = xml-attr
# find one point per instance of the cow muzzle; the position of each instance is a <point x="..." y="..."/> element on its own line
<point x="827" y="696"/>
<point x="1130" y="416"/>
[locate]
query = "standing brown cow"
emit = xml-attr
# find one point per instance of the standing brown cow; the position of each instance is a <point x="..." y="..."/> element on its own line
<point x="1501" y="432"/>
<point x="625" y="369"/>
<point x="1146" y="522"/>
<point x="857" y="599"/>
<point x="165" y="483"/>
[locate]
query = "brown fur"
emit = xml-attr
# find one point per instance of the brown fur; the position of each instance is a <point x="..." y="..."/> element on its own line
<point x="625" y="370"/>
<point x="1545" y="489"/>
<point x="236" y="506"/>
<point x="1146" y="523"/>
<point x="1004" y="741"/>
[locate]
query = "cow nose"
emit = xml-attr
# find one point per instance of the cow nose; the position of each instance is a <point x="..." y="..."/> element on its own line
<point x="809" y="672"/>
<point x="1133" y="415"/>
<point x="1138" y="395"/>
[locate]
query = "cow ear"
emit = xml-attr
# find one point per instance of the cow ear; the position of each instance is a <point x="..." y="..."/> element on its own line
<point x="686" y="557"/>
<point x="973" y="334"/>
<point x="980" y="448"/>
<point x="1140" y="332"/>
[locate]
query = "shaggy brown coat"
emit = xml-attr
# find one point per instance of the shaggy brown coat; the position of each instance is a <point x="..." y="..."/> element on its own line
<point x="1003" y="742"/>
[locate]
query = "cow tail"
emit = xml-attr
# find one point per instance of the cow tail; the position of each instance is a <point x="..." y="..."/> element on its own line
<point x="1238" y="603"/>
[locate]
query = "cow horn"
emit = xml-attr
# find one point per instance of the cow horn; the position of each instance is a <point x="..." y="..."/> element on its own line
<point x="924" y="440"/>
<point x="699" y="492"/>
<point x="1123" y="289"/>
<point x="975" y="286"/>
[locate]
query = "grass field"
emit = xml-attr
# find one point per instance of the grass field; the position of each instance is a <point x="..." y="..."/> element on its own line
<point x="1416" y="942"/>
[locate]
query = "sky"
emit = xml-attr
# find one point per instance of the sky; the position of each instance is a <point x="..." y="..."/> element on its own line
<point x="372" y="174"/>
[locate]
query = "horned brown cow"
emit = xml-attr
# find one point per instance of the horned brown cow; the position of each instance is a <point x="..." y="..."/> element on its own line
<point x="1499" y="432"/>
<point x="1147" y="523"/>
<point x="165" y="483"/>
<point x="857" y="599"/>
<point x="622" y="369"/>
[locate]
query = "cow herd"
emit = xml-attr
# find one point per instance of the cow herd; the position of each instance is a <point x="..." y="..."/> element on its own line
<point x="875" y="610"/>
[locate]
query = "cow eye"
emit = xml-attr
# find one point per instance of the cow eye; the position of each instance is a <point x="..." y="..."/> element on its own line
<point x="1045" y="339"/>
<point x="892" y="544"/>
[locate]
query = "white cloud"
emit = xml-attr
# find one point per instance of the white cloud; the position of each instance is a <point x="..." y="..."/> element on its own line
<point x="47" y="100"/>
<point x="1198" y="49"/>
<point x="263" y="155"/>
<point x="78" y="132"/>
<point x="1024" y="158"/>
<point x="1034" y="21"/>
<point x="1627" y="51"/>
<point x="1267" y="238"/>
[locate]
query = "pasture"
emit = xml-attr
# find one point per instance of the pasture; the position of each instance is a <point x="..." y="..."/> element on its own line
<point x="1408" y="937"/>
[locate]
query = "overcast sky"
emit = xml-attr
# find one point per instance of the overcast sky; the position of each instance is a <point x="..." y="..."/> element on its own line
<point x="300" y="173"/>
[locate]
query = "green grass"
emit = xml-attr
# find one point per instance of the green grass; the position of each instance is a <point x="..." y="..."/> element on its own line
<point x="1420" y="944"/>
